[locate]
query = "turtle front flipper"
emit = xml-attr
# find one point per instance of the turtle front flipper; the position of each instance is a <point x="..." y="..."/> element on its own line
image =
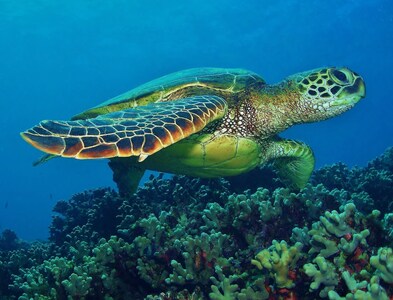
<point x="140" y="131"/>
<point x="293" y="160"/>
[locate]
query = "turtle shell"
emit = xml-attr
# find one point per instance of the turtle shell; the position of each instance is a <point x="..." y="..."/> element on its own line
<point x="186" y="83"/>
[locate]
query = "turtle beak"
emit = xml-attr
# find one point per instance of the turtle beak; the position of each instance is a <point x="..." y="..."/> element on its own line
<point x="357" y="89"/>
<point x="358" y="86"/>
<point x="352" y="94"/>
<point x="362" y="88"/>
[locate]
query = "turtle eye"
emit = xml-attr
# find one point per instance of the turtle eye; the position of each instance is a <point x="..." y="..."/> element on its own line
<point x="341" y="76"/>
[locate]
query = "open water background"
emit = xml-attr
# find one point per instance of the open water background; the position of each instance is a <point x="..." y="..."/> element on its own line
<point x="58" y="58"/>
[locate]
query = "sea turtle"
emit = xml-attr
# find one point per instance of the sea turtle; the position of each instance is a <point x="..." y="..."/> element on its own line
<point x="204" y="122"/>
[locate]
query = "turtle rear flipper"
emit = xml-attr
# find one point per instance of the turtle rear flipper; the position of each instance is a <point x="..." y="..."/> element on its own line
<point x="139" y="131"/>
<point x="127" y="174"/>
<point x="43" y="159"/>
<point x="293" y="160"/>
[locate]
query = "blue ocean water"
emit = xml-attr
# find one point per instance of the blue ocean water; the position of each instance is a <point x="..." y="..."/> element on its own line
<point x="58" y="58"/>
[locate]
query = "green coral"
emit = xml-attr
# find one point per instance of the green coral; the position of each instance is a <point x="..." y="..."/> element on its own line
<point x="279" y="259"/>
<point x="213" y="216"/>
<point x="45" y="279"/>
<point x="335" y="223"/>
<point x="311" y="196"/>
<point x="77" y="285"/>
<point x="150" y="273"/>
<point x="351" y="281"/>
<point x="383" y="262"/>
<point x="331" y="226"/>
<point x="321" y="244"/>
<point x="198" y="254"/>
<point x="223" y="288"/>
<point x="59" y="276"/>
<point x="374" y="292"/>
<point x="348" y="247"/>
<point x="241" y="209"/>
<point x="323" y="273"/>
<point x="269" y="208"/>
<point x="254" y="291"/>
<point x="300" y="235"/>
<point x="181" y="275"/>
<point x="363" y="201"/>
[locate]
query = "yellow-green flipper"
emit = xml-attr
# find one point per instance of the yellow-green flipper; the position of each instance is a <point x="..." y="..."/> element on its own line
<point x="205" y="122"/>
<point x="294" y="160"/>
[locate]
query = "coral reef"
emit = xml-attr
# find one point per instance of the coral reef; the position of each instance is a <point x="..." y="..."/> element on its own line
<point x="372" y="183"/>
<point x="280" y="260"/>
<point x="184" y="238"/>
<point x="323" y="273"/>
<point x="383" y="262"/>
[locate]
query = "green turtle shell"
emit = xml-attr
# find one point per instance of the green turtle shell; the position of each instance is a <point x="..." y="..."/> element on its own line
<point x="186" y="83"/>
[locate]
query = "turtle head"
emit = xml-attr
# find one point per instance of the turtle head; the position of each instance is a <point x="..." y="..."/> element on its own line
<point x="327" y="92"/>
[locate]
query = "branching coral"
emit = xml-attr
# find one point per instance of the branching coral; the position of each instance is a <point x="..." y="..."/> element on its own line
<point x="331" y="226"/>
<point x="348" y="247"/>
<point x="351" y="281"/>
<point x="223" y="288"/>
<point x="335" y="223"/>
<point x="374" y="291"/>
<point x="183" y="238"/>
<point x="280" y="260"/>
<point x="383" y="262"/>
<point x="77" y="285"/>
<point x="323" y="272"/>
<point x="200" y="255"/>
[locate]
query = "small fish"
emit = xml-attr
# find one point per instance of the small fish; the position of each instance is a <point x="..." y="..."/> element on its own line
<point x="6" y="204"/>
